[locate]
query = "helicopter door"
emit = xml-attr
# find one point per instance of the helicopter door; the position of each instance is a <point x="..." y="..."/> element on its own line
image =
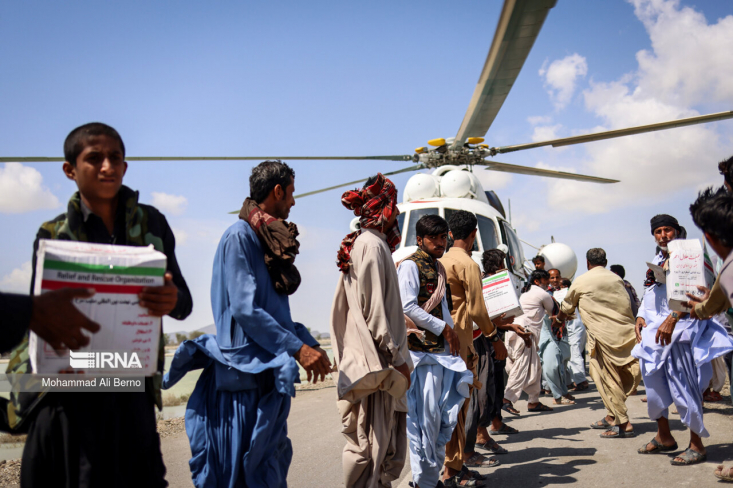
<point x="515" y="258"/>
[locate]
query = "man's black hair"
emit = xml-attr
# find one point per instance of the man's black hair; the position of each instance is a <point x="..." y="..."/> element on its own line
<point x="619" y="270"/>
<point x="266" y="176"/>
<point x="431" y="225"/>
<point x="567" y="282"/>
<point x="370" y="181"/>
<point x="537" y="275"/>
<point x="712" y="212"/>
<point x="461" y="224"/>
<point x="596" y="257"/>
<point x="493" y="260"/>
<point x="539" y="258"/>
<point x="78" y="138"/>
<point x="726" y="169"/>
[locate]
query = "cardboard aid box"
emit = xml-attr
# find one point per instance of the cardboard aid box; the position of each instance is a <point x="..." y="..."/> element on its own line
<point x="499" y="295"/>
<point x="127" y="342"/>
<point x="686" y="270"/>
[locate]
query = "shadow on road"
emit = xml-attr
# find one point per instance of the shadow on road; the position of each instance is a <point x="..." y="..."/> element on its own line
<point x="541" y="473"/>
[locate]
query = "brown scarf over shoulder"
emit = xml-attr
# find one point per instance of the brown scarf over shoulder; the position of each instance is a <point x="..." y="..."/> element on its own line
<point x="279" y="240"/>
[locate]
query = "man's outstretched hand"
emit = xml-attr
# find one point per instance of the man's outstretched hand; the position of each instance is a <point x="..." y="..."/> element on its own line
<point x="500" y="352"/>
<point x="56" y="319"/>
<point x="450" y="336"/>
<point x="315" y="362"/>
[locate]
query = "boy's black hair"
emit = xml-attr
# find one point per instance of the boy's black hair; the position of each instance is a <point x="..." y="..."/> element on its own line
<point x="596" y="257"/>
<point x="537" y="275"/>
<point x="539" y="258"/>
<point x="712" y="212"/>
<point x="461" y="224"/>
<point x="77" y="139"/>
<point x="619" y="270"/>
<point x="431" y="225"/>
<point x="726" y="169"/>
<point x="493" y="260"/>
<point x="266" y="176"/>
<point x="566" y="282"/>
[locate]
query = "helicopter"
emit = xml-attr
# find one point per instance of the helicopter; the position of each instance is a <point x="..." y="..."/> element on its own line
<point x="519" y="25"/>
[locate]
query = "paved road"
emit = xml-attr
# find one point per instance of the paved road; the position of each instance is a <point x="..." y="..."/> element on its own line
<point x="554" y="448"/>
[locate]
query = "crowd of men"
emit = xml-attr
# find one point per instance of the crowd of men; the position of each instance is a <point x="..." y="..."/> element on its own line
<point x="420" y="361"/>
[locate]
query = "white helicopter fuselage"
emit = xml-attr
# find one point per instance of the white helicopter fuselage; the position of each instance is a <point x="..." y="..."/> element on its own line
<point x="452" y="188"/>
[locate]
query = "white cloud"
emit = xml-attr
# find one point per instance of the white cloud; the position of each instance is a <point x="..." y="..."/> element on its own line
<point x="492" y="180"/>
<point x="539" y="119"/>
<point x="670" y="82"/>
<point x="524" y="223"/>
<point x="22" y="190"/>
<point x="171" y="204"/>
<point x="561" y="77"/>
<point x="546" y="132"/>
<point x="180" y="235"/>
<point x="18" y="280"/>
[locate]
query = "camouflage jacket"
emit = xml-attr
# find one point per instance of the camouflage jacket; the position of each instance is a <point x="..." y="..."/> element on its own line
<point x="144" y="225"/>
<point x="428" y="284"/>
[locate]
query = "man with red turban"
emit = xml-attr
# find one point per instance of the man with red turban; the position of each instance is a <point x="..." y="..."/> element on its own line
<point x="370" y="338"/>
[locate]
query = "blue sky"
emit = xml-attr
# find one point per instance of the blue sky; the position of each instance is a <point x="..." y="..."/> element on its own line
<point x="358" y="78"/>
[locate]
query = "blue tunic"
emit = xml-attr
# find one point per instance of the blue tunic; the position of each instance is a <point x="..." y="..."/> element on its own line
<point x="236" y="416"/>
<point x="678" y="372"/>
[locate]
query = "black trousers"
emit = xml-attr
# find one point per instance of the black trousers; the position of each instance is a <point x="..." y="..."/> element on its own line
<point x="89" y="440"/>
<point x="482" y="399"/>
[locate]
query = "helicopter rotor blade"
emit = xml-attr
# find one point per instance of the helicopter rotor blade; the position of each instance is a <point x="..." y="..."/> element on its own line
<point x="519" y="25"/>
<point x="528" y="170"/>
<point x="599" y="136"/>
<point x="41" y="159"/>
<point x="403" y="170"/>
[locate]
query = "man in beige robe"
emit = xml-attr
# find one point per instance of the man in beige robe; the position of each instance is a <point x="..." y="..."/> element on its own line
<point x="370" y="342"/>
<point x="464" y="278"/>
<point x="601" y="298"/>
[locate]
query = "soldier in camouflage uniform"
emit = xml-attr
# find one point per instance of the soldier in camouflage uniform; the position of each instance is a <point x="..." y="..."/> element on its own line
<point x="100" y="439"/>
<point x="440" y="379"/>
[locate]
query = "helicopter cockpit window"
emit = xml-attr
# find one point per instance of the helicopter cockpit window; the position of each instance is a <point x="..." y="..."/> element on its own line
<point x="448" y="213"/>
<point x="411" y="236"/>
<point x="487" y="230"/>
<point x="401" y="222"/>
<point x="516" y="255"/>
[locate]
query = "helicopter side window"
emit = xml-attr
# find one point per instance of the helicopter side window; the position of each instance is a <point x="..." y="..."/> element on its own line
<point x="487" y="230"/>
<point x="516" y="256"/>
<point x="401" y="222"/>
<point x="411" y="236"/>
<point x="448" y="213"/>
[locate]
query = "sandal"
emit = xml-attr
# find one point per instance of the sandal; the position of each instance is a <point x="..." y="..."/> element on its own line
<point x="457" y="481"/>
<point x="540" y="408"/>
<point x="505" y="430"/>
<point x="563" y="401"/>
<point x="657" y="447"/>
<point x="492" y="446"/>
<point x="509" y="408"/>
<point x="473" y="475"/>
<point x="480" y="461"/>
<point x="689" y="457"/>
<point x="601" y="424"/>
<point x="643" y="399"/>
<point x="723" y="473"/>
<point x="582" y="386"/>
<point x="712" y="396"/>
<point x="617" y="433"/>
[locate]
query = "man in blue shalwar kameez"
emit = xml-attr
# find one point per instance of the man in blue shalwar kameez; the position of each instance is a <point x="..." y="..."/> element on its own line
<point x="236" y="416"/>
<point x="675" y="353"/>
<point x="440" y="380"/>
